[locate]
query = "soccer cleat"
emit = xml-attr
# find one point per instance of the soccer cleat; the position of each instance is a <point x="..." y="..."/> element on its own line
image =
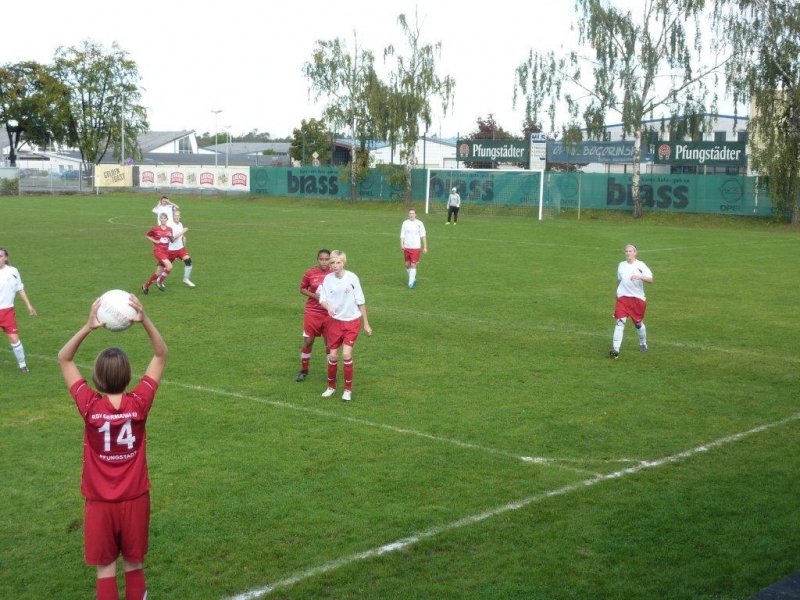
<point x="301" y="376"/>
<point x="188" y="282"/>
<point x="161" y="287"/>
<point x="347" y="395"/>
<point x="145" y="290"/>
<point x="642" y="348"/>
<point x="613" y="354"/>
<point x="456" y="223"/>
<point x="412" y="285"/>
<point x="329" y="392"/>
<point x="447" y="223"/>
<point x="23" y="369"/>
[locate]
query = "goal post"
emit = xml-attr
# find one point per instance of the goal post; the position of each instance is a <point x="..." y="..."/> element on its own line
<point x="493" y="191"/>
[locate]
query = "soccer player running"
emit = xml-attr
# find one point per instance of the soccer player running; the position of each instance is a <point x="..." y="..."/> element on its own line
<point x="412" y="239"/>
<point x="115" y="482"/>
<point x="315" y="317"/>
<point x="10" y="286"/>
<point x="341" y="295"/>
<point x="160" y="236"/>
<point x="177" y="247"/>
<point x="632" y="274"/>
<point x="453" y="206"/>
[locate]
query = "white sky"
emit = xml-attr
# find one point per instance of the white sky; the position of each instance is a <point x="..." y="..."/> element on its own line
<point x="246" y="57"/>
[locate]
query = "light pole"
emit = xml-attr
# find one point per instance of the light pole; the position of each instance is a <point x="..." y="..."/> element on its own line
<point x="216" y="131"/>
<point x="228" y="147"/>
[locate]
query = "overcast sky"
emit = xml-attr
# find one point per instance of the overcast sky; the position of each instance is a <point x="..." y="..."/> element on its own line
<point x="245" y="58"/>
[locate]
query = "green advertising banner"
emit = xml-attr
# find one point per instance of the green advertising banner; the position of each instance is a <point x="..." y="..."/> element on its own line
<point x="712" y="154"/>
<point x="498" y="151"/>
<point x="502" y="188"/>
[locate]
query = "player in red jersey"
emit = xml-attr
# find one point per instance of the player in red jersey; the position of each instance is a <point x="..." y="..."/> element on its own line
<point x="315" y="318"/>
<point x="115" y="482"/>
<point x="160" y="236"/>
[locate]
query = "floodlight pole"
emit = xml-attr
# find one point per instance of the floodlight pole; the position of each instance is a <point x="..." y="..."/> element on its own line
<point x="216" y="132"/>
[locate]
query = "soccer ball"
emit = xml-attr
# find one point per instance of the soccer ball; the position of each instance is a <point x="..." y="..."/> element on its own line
<point x="114" y="312"/>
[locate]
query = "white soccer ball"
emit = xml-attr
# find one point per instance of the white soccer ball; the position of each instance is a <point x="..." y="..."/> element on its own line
<point x="114" y="312"/>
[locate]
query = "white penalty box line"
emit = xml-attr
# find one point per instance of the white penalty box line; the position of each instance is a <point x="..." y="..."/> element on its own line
<point x="473" y="519"/>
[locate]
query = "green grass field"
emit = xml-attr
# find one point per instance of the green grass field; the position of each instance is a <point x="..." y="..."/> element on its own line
<point x="491" y="450"/>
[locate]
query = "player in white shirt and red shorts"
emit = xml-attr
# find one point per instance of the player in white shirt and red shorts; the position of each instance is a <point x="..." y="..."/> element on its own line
<point x="413" y="240"/>
<point x="10" y="286"/>
<point x="315" y="318"/>
<point x="341" y="295"/>
<point x="177" y="247"/>
<point x="632" y="274"/>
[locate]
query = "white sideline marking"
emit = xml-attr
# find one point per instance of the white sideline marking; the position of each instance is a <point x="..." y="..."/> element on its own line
<point x="472" y="519"/>
<point x="539" y="460"/>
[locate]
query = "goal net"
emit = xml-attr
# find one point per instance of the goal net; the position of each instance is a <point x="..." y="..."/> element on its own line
<point x="493" y="191"/>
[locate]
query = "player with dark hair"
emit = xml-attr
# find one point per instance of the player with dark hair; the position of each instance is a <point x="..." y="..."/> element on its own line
<point x="341" y="295"/>
<point x="115" y="481"/>
<point x="10" y="286"/>
<point x="177" y="247"/>
<point x="632" y="274"/>
<point x="160" y="236"/>
<point x="315" y="317"/>
<point x="166" y="206"/>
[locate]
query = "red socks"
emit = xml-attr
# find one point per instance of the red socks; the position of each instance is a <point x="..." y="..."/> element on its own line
<point x="135" y="587"/>
<point x="107" y="589"/>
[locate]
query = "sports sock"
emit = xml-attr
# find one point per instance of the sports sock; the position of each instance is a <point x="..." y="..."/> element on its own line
<point x="153" y="277"/>
<point x="642" y="331"/>
<point x="347" y="367"/>
<point x="19" y="352"/>
<point x="305" y="356"/>
<point x="618" y="331"/>
<point x="135" y="586"/>
<point x="332" y="368"/>
<point x="412" y="275"/>
<point x="107" y="588"/>
<point x="187" y="271"/>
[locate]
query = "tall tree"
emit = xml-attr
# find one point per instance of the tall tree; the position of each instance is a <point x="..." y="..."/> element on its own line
<point x="765" y="38"/>
<point x="32" y="106"/>
<point x="312" y="136"/>
<point x="104" y="98"/>
<point x="641" y="62"/>
<point x="347" y="81"/>
<point x="412" y="86"/>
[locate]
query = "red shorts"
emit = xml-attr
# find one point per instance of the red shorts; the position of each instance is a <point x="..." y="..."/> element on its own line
<point x="411" y="255"/>
<point x="340" y="332"/>
<point x="8" y="320"/>
<point x="630" y="307"/>
<point x="161" y="254"/>
<point x="315" y="324"/>
<point x="174" y="255"/>
<point x="114" y="528"/>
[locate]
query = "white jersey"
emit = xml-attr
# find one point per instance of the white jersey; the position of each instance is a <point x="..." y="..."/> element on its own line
<point x="169" y="208"/>
<point x="10" y="284"/>
<point x="628" y="288"/>
<point x="177" y="234"/>
<point x="411" y="234"/>
<point x="343" y="294"/>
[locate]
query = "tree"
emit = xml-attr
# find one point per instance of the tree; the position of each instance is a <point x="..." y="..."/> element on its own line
<point x="640" y="65"/>
<point x="411" y="87"/>
<point x="103" y="98"/>
<point x="312" y="136"/>
<point x="347" y="81"/>
<point x="32" y="106"/>
<point x="765" y="38"/>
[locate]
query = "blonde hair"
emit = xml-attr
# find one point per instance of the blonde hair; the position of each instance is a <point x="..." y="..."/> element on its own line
<point x="340" y="255"/>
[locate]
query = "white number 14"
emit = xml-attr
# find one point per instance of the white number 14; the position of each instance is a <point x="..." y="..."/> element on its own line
<point x="124" y="438"/>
